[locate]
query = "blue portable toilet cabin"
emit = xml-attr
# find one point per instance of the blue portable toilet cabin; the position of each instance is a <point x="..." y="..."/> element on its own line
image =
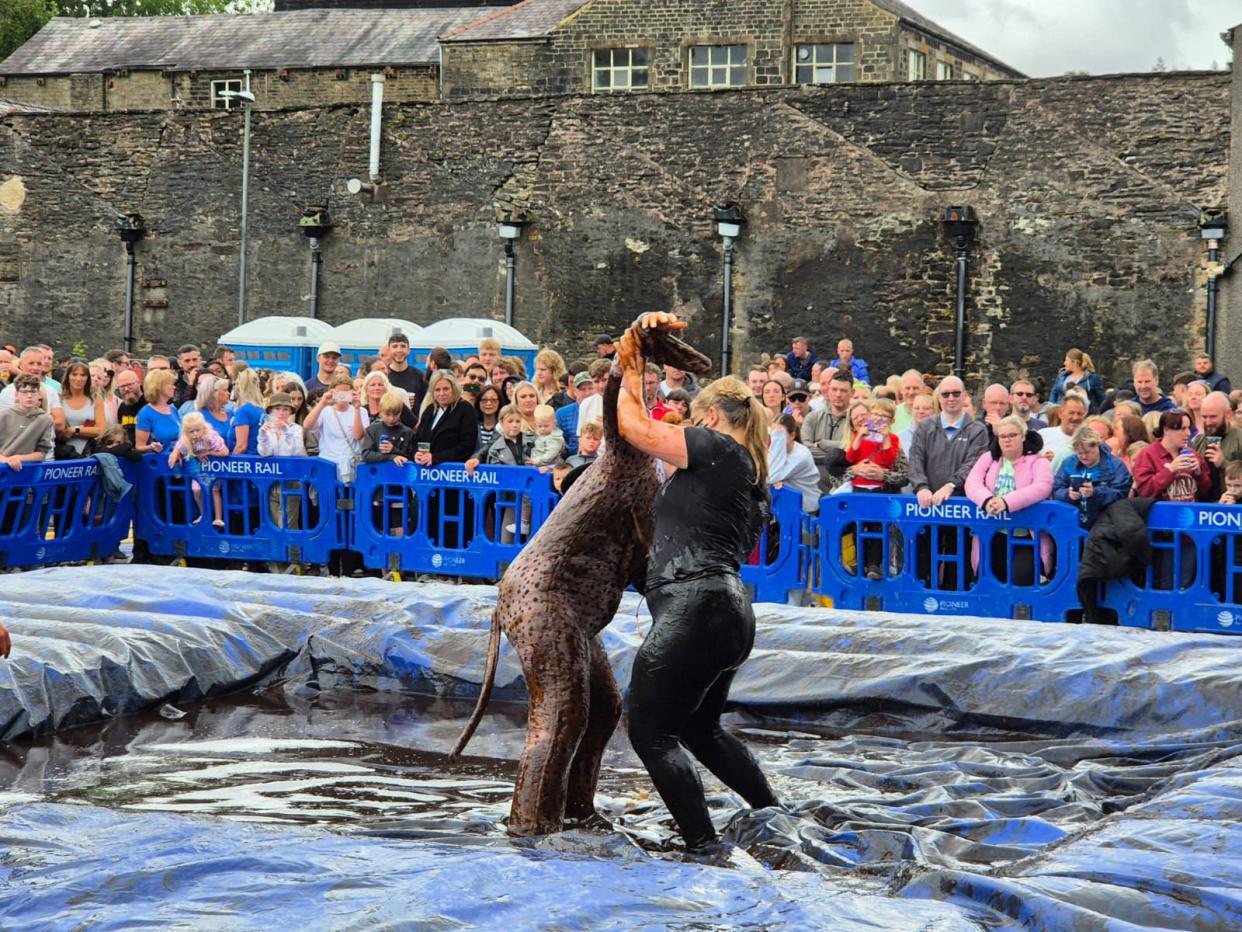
<point x="461" y="336"/>
<point x="363" y="337"/>
<point x="284" y="344"/>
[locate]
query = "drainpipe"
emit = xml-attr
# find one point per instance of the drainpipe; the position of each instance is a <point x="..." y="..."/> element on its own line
<point x="377" y="120"/>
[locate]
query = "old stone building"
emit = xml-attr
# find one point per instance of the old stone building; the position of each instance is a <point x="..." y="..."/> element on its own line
<point x="314" y="52"/>
<point x="608" y="46"/>
<point x="297" y="58"/>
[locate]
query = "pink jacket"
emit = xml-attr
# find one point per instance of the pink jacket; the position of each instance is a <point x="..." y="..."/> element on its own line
<point x="1032" y="475"/>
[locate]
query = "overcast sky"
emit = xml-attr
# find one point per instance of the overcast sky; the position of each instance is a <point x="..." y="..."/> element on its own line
<point x="1051" y="37"/>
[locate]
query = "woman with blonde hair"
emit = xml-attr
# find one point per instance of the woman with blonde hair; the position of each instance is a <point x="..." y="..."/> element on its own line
<point x="212" y="400"/>
<point x="103" y="378"/>
<point x="1078" y="370"/>
<point x="158" y="424"/>
<point x="708" y="518"/>
<point x="549" y="371"/>
<point x="248" y="413"/>
<point x="526" y="399"/>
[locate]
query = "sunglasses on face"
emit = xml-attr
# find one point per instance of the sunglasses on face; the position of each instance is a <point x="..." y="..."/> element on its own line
<point x="950" y="394"/>
<point x="1025" y="394"/>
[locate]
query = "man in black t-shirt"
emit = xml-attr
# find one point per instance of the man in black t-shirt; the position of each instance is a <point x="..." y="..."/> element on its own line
<point x="402" y="374"/>
<point x="129" y="391"/>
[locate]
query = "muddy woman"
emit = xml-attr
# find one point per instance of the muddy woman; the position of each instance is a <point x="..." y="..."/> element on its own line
<point x="708" y="518"/>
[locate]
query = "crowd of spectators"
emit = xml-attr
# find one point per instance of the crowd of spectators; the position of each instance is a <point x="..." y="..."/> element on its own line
<point x="834" y="427"/>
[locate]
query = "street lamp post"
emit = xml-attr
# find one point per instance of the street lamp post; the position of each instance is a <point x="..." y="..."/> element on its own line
<point x="246" y="98"/>
<point x="959" y="225"/>
<point x="316" y="224"/>
<point x="131" y="228"/>
<point x="728" y="219"/>
<point x="510" y="229"/>
<point x="1213" y="225"/>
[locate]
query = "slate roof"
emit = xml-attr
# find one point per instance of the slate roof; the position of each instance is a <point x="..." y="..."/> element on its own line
<point x="294" y="39"/>
<point x="530" y="19"/>
<point x="932" y="28"/>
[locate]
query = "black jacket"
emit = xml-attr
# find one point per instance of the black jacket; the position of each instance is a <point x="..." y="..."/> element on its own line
<point x="455" y="438"/>
<point x="1118" y="543"/>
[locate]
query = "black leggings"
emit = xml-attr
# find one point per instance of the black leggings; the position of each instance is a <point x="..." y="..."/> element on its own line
<point x="703" y="630"/>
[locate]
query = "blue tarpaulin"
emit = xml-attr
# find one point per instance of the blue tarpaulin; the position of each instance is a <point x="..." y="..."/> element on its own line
<point x="935" y="772"/>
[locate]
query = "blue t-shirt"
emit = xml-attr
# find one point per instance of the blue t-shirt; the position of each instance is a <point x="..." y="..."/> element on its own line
<point x="164" y="428"/>
<point x="249" y="415"/>
<point x="221" y="425"/>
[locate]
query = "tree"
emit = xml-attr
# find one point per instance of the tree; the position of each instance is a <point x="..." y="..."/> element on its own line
<point x="152" y="7"/>
<point x="21" y="19"/>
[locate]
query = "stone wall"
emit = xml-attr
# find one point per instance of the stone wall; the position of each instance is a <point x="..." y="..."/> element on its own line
<point x="561" y="64"/>
<point x="1087" y="189"/>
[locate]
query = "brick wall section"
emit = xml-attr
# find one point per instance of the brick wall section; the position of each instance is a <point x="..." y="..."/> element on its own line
<point x="1087" y="191"/>
<point x="561" y="63"/>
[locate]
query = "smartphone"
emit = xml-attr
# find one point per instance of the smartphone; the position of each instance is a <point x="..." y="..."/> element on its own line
<point x="1076" y="482"/>
<point x="424" y="448"/>
<point x="342" y="397"/>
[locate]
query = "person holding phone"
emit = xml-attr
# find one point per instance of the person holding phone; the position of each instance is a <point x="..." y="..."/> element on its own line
<point x="339" y="421"/>
<point x="1091" y="478"/>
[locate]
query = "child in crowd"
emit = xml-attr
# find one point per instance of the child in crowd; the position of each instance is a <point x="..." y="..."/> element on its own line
<point x="590" y="436"/>
<point x="387" y="440"/>
<point x="874" y="444"/>
<point x="1233" y="484"/>
<point x="549" y="440"/>
<point x="199" y="441"/>
<point x="280" y="434"/>
<point x="509" y="448"/>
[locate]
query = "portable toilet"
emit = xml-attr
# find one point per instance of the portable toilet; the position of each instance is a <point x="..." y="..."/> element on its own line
<point x="363" y="337"/>
<point x="461" y="336"/>
<point x="285" y="344"/>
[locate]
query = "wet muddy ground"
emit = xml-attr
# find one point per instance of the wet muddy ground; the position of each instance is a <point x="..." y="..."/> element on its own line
<point x="376" y="763"/>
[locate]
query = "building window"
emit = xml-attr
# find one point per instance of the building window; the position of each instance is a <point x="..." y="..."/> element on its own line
<point x="718" y="66"/>
<point x="620" y="70"/>
<point x="826" y="63"/>
<point x="944" y="71"/>
<point x="218" y="100"/>
<point x="916" y="65"/>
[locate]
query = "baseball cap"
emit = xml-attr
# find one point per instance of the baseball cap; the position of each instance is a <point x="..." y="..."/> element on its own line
<point x="328" y="347"/>
<point x="581" y="379"/>
<point x="603" y="338"/>
<point x="798" y="387"/>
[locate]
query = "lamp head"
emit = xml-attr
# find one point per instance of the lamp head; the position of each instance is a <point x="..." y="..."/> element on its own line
<point x="510" y="226"/>
<point x="130" y="227"/>
<point x="1214" y="224"/>
<point x="728" y="218"/>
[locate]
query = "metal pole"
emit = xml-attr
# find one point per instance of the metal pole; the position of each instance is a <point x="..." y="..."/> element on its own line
<point x="1210" y="342"/>
<point x="726" y="325"/>
<point x="314" y="291"/>
<point x="245" y="205"/>
<point x="959" y="352"/>
<point x="509" y="263"/>
<point x="129" y="297"/>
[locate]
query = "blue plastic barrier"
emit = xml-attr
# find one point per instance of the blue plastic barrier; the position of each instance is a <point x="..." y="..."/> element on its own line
<point x="1195" y="580"/>
<point x="59" y="513"/>
<point x="441" y="519"/>
<point x="286" y="509"/>
<point x="926" y="557"/>
<point x="776" y="574"/>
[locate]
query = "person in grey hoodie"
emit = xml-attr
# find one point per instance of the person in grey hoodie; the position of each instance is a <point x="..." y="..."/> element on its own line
<point x="26" y="432"/>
